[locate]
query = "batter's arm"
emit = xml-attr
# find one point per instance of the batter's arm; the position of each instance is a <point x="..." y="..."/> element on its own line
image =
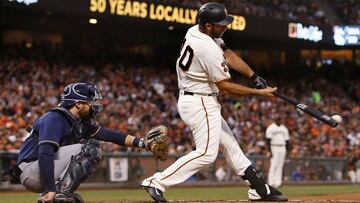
<point x="236" y="63"/>
<point x="234" y="89"/>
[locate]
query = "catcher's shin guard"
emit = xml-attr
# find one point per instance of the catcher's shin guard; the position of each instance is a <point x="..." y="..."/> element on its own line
<point x="80" y="167"/>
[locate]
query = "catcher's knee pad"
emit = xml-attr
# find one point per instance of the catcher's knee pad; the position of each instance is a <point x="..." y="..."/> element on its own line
<point x="91" y="149"/>
<point x="253" y="179"/>
<point x="80" y="167"/>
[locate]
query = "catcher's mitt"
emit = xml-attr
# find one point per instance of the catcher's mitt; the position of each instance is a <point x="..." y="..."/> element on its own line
<point x="156" y="141"/>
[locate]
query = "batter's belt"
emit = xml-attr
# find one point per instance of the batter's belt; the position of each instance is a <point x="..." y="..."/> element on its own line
<point x="278" y="145"/>
<point x="183" y="92"/>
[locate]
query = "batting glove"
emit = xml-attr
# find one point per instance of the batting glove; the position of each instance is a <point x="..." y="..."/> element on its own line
<point x="258" y="82"/>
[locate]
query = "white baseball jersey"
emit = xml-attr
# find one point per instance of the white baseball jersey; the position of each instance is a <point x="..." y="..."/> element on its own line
<point x="278" y="134"/>
<point x="201" y="63"/>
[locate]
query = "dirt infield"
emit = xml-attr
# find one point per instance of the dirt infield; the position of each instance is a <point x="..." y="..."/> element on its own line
<point x="341" y="198"/>
<point x="332" y="198"/>
<point x="349" y="199"/>
<point x="307" y="193"/>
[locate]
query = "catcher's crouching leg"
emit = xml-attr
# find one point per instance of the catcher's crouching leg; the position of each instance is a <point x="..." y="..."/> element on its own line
<point x="79" y="169"/>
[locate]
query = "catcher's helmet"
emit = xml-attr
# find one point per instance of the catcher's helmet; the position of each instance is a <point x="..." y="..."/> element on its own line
<point x="75" y="92"/>
<point x="214" y="13"/>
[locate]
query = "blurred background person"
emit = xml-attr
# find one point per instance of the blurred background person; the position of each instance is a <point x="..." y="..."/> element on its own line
<point x="277" y="138"/>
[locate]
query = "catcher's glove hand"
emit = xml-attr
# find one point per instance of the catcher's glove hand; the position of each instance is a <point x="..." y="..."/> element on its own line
<point x="156" y="141"/>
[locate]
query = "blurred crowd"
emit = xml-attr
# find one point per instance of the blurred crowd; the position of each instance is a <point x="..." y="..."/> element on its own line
<point x="348" y="11"/>
<point x="291" y="10"/>
<point x="311" y="12"/>
<point x="139" y="97"/>
<point x="295" y="10"/>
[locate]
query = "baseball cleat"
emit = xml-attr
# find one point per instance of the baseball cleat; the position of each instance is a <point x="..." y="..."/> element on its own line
<point x="275" y="195"/>
<point x="78" y="198"/>
<point x="272" y="198"/>
<point x="155" y="194"/>
<point x="64" y="198"/>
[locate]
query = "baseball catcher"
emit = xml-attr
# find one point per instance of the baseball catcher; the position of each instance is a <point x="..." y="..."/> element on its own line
<point x="63" y="149"/>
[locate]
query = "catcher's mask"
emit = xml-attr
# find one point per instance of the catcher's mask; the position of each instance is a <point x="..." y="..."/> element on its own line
<point x="82" y="92"/>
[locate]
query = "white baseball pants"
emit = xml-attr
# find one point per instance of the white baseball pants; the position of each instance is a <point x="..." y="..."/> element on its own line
<point x="30" y="176"/>
<point x="202" y="114"/>
<point x="276" y="166"/>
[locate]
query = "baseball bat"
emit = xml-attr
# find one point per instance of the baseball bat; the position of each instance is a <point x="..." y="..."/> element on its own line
<point x="313" y="112"/>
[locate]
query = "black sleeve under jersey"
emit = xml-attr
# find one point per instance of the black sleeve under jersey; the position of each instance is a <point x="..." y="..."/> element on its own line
<point x="108" y="135"/>
<point x="46" y="166"/>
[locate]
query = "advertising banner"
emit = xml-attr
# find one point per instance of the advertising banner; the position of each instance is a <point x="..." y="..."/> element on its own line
<point x="118" y="169"/>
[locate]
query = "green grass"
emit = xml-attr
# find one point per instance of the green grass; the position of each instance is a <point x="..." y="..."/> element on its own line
<point x="190" y="193"/>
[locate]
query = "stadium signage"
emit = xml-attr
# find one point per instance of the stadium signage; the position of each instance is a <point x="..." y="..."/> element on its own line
<point x="300" y="31"/>
<point x="347" y="35"/>
<point x="156" y="12"/>
<point x="26" y="2"/>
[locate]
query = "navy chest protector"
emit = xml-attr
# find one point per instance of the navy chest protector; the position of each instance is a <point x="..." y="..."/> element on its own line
<point x="72" y="137"/>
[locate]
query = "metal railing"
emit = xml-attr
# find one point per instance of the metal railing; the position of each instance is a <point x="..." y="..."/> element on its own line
<point x="129" y="168"/>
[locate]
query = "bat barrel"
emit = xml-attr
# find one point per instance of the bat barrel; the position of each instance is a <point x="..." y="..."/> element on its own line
<point x="313" y="112"/>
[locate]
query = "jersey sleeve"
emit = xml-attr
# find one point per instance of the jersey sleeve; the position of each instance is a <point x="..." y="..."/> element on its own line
<point x="268" y="132"/>
<point x="287" y="135"/>
<point x="108" y="135"/>
<point x="50" y="129"/>
<point x="215" y="65"/>
<point x="221" y="43"/>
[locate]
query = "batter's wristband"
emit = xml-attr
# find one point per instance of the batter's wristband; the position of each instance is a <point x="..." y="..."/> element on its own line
<point x="139" y="142"/>
<point x="252" y="78"/>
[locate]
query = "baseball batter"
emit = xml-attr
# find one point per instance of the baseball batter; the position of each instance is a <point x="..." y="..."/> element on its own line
<point x="203" y="72"/>
<point x="277" y="137"/>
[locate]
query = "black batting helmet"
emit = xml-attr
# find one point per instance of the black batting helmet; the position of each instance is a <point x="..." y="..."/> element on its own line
<point x="215" y="13"/>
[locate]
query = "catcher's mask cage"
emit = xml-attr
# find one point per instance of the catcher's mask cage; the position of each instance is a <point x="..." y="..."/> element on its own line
<point x="82" y="92"/>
